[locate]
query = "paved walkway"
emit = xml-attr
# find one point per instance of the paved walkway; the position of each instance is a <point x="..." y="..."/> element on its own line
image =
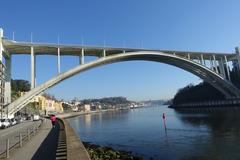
<point x="48" y="147"/>
<point x="12" y="133"/>
<point x="50" y="144"/>
<point x="34" y="148"/>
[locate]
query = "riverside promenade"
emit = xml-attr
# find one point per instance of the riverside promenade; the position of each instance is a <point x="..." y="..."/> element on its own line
<point x="60" y="143"/>
<point x="30" y="149"/>
<point x="12" y="134"/>
<point x="45" y="142"/>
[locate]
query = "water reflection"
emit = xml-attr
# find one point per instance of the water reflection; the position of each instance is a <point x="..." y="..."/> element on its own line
<point x="223" y="132"/>
<point x="219" y="121"/>
<point x="198" y="134"/>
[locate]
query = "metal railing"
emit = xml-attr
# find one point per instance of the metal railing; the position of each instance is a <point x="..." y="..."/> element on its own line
<point x="17" y="139"/>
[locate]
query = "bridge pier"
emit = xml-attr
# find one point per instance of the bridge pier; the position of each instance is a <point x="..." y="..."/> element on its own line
<point x="59" y="61"/>
<point x="104" y="53"/>
<point x="228" y="72"/>
<point x="81" y="57"/>
<point x="238" y="57"/>
<point x="202" y="60"/>
<point x="211" y="64"/>
<point x="215" y="64"/>
<point x="221" y="68"/>
<point x="33" y="68"/>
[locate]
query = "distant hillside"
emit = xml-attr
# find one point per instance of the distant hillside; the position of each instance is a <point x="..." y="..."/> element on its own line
<point x="108" y="100"/>
<point x="203" y="91"/>
<point x="157" y="102"/>
<point x="197" y="93"/>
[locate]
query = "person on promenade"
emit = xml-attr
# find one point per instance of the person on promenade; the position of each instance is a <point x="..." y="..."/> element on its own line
<point x="53" y="120"/>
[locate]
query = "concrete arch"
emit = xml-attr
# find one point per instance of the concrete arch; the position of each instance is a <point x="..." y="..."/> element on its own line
<point x="224" y="86"/>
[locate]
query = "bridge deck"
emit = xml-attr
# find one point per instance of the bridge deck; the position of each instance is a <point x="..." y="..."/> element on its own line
<point x="14" y="47"/>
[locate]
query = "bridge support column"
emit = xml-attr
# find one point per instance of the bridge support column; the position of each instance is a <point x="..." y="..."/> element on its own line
<point x="211" y="63"/>
<point x="7" y="93"/>
<point x="188" y="55"/>
<point x="81" y="58"/>
<point x="59" y="61"/>
<point x="198" y="60"/>
<point x="228" y="72"/>
<point x="33" y="68"/>
<point x="202" y="60"/>
<point x="238" y="58"/>
<point x="104" y="53"/>
<point x="221" y="68"/>
<point x="215" y="64"/>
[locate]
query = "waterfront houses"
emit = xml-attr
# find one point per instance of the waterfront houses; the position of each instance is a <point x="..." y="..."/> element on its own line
<point x="48" y="105"/>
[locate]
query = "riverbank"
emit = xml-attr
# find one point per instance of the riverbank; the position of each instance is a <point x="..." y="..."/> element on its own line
<point x="206" y="104"/>
<point x="98" y="152"/>
<point x="75" y="114"/>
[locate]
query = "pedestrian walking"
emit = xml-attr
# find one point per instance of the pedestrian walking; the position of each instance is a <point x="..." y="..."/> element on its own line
<point x="53" y="120"/>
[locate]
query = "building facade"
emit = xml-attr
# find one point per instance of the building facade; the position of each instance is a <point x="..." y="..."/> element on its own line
<point x="2" y="88"/>
<point x="48" y="105"/>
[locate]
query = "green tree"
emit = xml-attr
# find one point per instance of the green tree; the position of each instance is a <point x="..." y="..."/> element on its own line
<point x="18" y="86"/>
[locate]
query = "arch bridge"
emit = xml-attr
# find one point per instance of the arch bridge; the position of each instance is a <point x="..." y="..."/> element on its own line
<point x="213" y="68"/>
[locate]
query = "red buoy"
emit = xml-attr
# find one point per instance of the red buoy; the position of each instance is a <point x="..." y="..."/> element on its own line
<point x="163" y="116"/>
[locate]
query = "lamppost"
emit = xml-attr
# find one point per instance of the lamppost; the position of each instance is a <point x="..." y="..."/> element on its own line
<point x="7" y="107"/>
<point x="1" y="111"/>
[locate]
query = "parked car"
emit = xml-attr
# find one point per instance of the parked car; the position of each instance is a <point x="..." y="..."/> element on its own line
<point x="13" y="121"/>
<point x="22" y="119"/>
<point x="29" y="118"/>
<point x="0" y="124"/>
<point x="5" y="123"/>
<point x="36" y="117"/>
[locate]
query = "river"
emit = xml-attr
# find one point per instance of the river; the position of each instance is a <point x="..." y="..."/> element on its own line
<point x="203" y="135"/>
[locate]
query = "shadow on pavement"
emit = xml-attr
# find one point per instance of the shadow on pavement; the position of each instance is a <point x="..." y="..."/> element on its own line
<point x="47" y="149"/>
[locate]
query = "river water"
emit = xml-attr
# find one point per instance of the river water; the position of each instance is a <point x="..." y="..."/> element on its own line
<point x="213" y="134"/>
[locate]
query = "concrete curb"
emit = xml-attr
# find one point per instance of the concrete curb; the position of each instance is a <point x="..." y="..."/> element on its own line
<point x="75" y="147"/>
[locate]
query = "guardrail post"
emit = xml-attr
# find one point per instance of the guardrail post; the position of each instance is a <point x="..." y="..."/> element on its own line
<point x="28" y="134"/>
<point x="7" y="148"/>
<point x="20" y="140"/>
<point x="34" y="131"/>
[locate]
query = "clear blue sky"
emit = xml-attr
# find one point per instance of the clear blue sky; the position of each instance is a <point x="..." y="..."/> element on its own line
<point x="197" y="25"/>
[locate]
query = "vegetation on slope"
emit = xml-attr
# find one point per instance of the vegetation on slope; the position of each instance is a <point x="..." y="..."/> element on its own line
<point x="18" y="86"/>
<point x="203" y="91"/>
